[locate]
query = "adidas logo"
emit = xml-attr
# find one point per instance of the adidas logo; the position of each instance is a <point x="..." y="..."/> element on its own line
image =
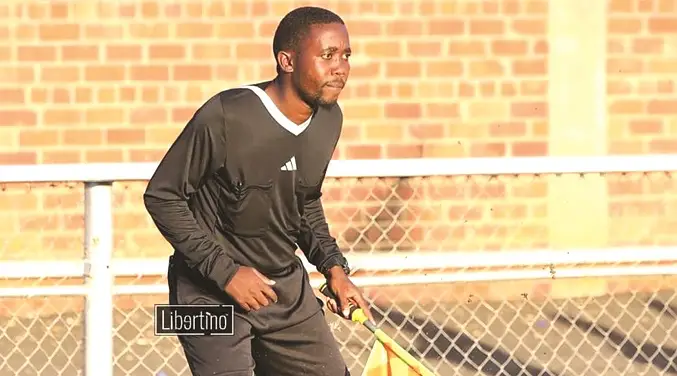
<point x="289" y="166"/>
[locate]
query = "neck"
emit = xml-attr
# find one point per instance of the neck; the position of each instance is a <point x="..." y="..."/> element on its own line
<point x="288" y="101"/>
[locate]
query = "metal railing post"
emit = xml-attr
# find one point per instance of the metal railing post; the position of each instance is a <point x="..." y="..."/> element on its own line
<point x="99" y="279"/>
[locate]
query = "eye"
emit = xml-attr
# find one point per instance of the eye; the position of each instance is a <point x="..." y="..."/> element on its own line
<point x="346" y="56"/>
<point x="327" y="56"/>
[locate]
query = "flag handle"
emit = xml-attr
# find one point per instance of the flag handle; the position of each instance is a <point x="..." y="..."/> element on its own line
<point x="357" y="315"/>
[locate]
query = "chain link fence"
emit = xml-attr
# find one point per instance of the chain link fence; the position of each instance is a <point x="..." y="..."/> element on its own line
<point x="507" y="316"/>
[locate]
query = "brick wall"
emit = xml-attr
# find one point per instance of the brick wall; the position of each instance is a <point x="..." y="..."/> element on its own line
<point x="96" y="81"/>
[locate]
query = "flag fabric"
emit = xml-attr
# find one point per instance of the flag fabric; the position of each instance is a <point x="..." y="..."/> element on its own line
<point x="384" y="362"/>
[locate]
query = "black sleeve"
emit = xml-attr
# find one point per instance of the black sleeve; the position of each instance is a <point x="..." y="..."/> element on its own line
<point x="197" y="152"/>
<point x="317" y="244"/>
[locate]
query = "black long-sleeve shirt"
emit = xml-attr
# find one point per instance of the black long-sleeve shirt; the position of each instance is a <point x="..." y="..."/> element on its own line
<point x="241" y="185"/>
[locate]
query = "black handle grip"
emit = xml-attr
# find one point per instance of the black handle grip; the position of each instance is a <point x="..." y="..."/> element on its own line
<point x="326" y="291"/>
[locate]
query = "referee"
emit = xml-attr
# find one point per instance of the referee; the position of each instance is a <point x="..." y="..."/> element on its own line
<point x="239" y="191"/>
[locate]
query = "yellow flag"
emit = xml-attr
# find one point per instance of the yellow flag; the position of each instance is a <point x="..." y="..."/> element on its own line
<point x="384" y="362"/>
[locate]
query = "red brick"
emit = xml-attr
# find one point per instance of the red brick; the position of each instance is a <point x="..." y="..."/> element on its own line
<point x="403" y="69"/>
<point x="629" y="66"/>
<point x="166" y="51"/>
<point x="648" y="45"/>
<point x="666" y="106"/>
<point x="530" y="67"/>
<point x="442" y="110"/>
<point x="529" y="149"/>
<point x="125" y="136"/>
<point x="254" y="51"/>
<point x="182" y="115"/>
<point x="105" y="115"/>
<point x="150" y="10"/>
<point x="663" y="66"/>
<point x="12" y="96"/>
<point x="59" y="11"/>
<point x="20" y="157"/>
<point x="444" y="69"/>
<point x="622" y="6"/>
<point x="17" y="118"/>
<point x="627" y="106"/>
<point x="64" y="73"/>
<point x="362" y="28"/>
<point x="157" y="31"/>
<point x="363" y="152"/>
<point x="146" y="115"/>
<point x="427" y="131"/>
<point x="195" y="30"/>
<point x="149" y="73"/>
<point x="446" y="27"/>
<point x="103" y="156"/>
<point x="404" y="27"/>
<point x="236" y="29"/>
<point x="79" y="53"/>
<point x="663" y="146"/>
<point x="192" y="73"/>
<point x="105" y="73"/>
<point x="36" y="53"/>
<point x="204" y="51"/>
<point x="61" y="156"/>
<point x="509" y="47"/>
<point x="402" y="110"/>
<point x="419" y="49"/>
<point x="471" y="48"/>
<point x="487" y="27"/>
<point x="82" y="137"/>
<point x="535" y="109"/>
<point x="663" y="25"/>
<point x="106" y="32"/>
<point x="646" y="126"/>
<point x="39" y="138"/>
<point x="507" y="129"/>
<point x="485" y="69"/>
<point x="62" y="117"/>
<point x="624" y="26"/>
<point x="146" y="155"/>
<point x="59" y="32"/>
<point x="490" y="149"/>
<point x="529" y="26"/>
<point x="404" y="151"/>
<point x="124" y="52"/>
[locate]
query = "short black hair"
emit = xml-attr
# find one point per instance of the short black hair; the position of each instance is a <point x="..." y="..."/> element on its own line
<point x="295" y="26"/>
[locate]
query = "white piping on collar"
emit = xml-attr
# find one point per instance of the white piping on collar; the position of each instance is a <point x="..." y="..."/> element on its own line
<point x="280" y="118"/>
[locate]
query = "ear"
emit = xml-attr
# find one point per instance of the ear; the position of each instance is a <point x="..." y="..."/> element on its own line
<point x="286" y="61"/>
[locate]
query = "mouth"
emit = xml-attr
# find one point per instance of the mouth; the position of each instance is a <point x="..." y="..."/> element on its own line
<point x="336" y="85"/>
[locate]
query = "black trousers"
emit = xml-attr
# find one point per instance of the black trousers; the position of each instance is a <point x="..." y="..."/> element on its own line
<point x="288" y="338"/>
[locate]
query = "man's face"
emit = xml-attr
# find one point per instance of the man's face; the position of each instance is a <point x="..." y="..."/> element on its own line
<point x="322" y="66"/>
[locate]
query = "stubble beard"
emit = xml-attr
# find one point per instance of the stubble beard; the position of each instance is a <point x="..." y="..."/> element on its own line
<point x="314" y="99"/>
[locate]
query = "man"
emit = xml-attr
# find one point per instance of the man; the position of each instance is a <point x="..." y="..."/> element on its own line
<point x="237" y="193"/>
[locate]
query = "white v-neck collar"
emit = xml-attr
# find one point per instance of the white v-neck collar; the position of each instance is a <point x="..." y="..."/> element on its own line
<point x="275" y="112"/>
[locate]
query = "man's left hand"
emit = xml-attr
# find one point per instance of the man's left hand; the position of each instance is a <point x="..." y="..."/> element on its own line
<point x="347" y="293"/>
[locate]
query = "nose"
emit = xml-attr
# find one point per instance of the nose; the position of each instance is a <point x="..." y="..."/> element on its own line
<point x="341" y="68"/>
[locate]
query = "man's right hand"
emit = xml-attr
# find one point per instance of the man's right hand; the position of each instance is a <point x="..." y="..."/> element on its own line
<point x="251" y="289"/>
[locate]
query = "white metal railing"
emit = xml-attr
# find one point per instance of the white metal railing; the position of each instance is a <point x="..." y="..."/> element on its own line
<point x="99" y="270"/>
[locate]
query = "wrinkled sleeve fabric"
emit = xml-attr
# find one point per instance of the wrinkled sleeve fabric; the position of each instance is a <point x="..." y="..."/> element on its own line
<point x="197" y="153"/>
<point x="315" y="240"/>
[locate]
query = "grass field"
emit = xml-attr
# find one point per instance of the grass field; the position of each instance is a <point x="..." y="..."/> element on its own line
<point x="621" y="334"/>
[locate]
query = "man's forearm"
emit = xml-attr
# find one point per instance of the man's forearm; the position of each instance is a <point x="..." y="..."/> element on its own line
<point x="320" y="248"/>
